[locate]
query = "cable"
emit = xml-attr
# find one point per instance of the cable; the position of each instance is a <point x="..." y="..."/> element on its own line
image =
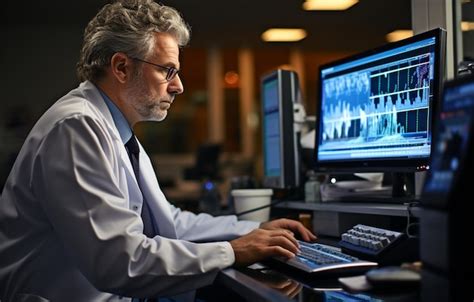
<point x="259" y="208"/>
<point x="409" y="223"/>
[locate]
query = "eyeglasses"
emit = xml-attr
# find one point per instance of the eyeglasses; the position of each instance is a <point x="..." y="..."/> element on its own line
<point x="171" y="72"/>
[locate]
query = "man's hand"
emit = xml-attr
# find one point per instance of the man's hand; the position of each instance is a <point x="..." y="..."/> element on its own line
<point x="260" y="244"/>
<point x="291" y="225"/>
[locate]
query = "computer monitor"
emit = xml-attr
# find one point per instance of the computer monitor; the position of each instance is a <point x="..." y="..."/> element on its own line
<point x="375" y="109"/>
<point x="281" y="160"/>
<point x="453" y="145"/>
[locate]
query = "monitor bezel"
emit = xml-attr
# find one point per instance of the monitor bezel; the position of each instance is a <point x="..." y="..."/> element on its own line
<point x="384" y="164"/>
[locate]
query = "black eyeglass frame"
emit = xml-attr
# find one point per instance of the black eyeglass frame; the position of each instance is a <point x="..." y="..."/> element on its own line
<point x="171" y="72"/>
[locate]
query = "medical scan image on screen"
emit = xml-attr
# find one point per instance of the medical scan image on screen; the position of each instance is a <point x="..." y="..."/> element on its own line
<point x="379" y="106"/>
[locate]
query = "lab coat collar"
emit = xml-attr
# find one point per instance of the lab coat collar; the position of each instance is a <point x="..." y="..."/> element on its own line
<point x="120" y="121"/>
<point x="150" y="188"/>
<point x="92" y="94"/>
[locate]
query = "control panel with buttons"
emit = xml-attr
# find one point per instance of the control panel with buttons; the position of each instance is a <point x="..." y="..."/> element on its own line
<point x="377" y="244"/>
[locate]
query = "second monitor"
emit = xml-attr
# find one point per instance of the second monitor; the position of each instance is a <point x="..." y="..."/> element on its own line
<point x="281" y="160"/>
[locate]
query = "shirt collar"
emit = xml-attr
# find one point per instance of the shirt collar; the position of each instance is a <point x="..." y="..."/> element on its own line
<point x="119" y="119"/>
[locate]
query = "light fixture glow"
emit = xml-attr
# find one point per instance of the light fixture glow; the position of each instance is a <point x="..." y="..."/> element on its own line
<point x="284" y="35"/>
<point x="328" y="4"/>
<point x="467" y="26"/>
<point x="399" y="34"/>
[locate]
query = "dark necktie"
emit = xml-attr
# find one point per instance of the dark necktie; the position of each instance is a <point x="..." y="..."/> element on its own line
<point x="134" y="153"/>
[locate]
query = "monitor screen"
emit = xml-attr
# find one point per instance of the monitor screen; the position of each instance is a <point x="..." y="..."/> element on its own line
<point x="279" y="92"/>
<point x="375" y="109"/>
<point x="271" y="139"/>
<point x="452" y="136"/>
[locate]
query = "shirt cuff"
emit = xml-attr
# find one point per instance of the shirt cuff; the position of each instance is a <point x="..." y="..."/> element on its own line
<point x="229" y="256"/>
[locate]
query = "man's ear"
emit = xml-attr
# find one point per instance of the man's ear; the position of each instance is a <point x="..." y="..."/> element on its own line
<point x="120" y="65"/>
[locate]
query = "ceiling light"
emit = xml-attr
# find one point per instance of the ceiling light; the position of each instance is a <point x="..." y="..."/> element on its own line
<point x="467" y="26"/>
<point x="397" y="35"/>
<point x="328" y="4"/>
<point x="283" y="35"/>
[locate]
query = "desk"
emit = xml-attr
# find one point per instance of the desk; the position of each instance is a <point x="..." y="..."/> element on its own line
<point x="388" y="209"/>
<point x="334" y="218"/>
<point x="263" y="283"/>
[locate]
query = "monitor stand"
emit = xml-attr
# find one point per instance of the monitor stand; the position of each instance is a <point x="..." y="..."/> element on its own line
<point x="403" y="184"/>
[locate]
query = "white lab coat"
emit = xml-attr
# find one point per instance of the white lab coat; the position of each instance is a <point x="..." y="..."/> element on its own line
<point x="70" y="226"/>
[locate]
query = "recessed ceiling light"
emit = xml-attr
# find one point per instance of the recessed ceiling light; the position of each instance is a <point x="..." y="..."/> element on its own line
<point x="399" y="34"/>
<point x="284" y="35"/>
<point x="467" y="26"/>
<point x="328" y="4"/>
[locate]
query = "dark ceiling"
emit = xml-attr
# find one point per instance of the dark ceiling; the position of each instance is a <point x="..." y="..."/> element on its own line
<point x="240" y="23"/>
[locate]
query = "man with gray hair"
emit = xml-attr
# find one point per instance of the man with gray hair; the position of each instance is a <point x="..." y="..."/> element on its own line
<point x="82" y="217"/>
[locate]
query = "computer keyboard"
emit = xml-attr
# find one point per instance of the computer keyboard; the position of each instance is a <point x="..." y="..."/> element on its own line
<point x="319" y="258"/>
<point x="380" y="245"/>
<point x="368" y="238"/>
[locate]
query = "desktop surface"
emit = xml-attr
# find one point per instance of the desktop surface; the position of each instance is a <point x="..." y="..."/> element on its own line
<point x="263" y="283"/>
